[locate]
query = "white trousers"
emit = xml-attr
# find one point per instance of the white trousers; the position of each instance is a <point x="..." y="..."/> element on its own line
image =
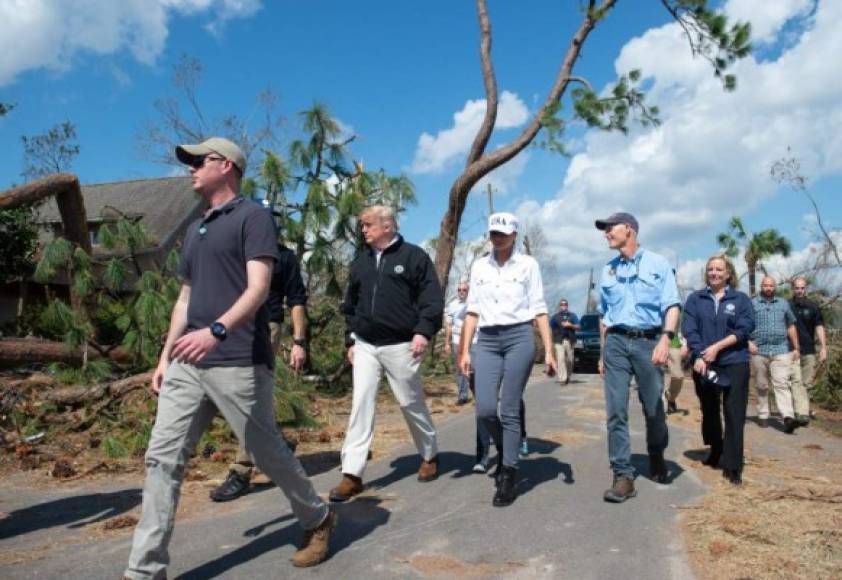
<point x="404" y="376"/>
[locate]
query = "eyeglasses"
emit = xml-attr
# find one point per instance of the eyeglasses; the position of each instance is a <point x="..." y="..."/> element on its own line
<point x="199" y="161"/>
<point x="462" y="290"/>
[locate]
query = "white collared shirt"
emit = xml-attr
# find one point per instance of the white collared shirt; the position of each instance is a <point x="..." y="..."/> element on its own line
<point x="507" y="294"/>
<point x="378" y="253"/>
<point x="455" y="313"/>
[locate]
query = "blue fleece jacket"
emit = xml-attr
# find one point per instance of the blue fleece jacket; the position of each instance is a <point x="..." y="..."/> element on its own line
<point x="704" y="323"/>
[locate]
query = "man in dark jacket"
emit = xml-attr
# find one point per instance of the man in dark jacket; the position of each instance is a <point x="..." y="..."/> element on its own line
<point x="286" y="287"/>
<point x="392" y="307"/>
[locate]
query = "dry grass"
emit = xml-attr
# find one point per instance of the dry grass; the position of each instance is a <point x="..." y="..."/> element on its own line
<point x="785" y="521"/>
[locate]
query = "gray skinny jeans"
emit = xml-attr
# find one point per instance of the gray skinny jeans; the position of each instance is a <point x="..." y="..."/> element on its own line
<point x="502" y="360"/>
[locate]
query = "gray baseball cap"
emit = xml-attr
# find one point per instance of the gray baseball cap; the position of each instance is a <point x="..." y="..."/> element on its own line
<point x="618" y="218"/>
<point x="188" y="154"/>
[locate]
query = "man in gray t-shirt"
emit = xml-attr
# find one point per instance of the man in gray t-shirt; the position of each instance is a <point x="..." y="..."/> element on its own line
<point x="217" y="356"/>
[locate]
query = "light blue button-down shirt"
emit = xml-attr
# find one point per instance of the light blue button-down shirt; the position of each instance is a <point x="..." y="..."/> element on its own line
<point x="636" y="293"/>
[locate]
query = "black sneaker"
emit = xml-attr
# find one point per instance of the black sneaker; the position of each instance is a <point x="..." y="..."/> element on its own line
<point x="733" y="476"/>
<point x="763" y="423"/>
<point x="672" y="407"/>
<point x="803" y="420"/>
<point x="233" y="487"/>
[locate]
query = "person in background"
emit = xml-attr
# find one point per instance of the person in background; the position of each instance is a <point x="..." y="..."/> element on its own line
<point x="454" y="318"/>
<point x="507" y="295"/>
<point x="810" y="327"/>
<point x="286" y="287"/>
<point x="564" y="325"/>
<point x="675" y="372"/>
<point x="718" y="321"/>
<point x="774" y="349"/>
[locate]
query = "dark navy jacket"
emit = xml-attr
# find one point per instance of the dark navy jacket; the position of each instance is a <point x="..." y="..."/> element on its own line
<point x="702" y="326"/>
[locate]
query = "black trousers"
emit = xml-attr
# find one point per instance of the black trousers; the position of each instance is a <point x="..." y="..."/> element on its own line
<point x="734" y="401"/>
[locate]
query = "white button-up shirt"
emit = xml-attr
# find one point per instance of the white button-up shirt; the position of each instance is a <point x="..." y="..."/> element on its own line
<point x="507" y="294"/>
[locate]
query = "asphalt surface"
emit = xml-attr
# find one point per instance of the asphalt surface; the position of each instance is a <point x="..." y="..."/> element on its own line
<point x="559" y="527"/>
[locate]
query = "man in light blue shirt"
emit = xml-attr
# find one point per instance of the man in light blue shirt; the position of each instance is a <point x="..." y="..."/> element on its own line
<point x="640" y="307"/>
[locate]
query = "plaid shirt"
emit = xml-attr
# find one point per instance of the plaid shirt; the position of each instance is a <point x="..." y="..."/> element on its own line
<point x="772" y="317"/>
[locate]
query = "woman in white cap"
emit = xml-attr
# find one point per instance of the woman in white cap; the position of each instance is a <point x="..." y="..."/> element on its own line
<point x="507" y="296"/>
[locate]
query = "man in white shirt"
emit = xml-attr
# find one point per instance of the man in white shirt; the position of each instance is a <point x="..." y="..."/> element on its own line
<point x="454" y="319"/>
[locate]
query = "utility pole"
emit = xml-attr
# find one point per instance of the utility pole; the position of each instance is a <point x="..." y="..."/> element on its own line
<point x="590" y="304"/>
<point x="490" y="200"/>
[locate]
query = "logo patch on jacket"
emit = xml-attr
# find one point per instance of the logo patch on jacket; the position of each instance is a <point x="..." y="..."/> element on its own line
<point x="729" y="308"/>
<point x="398" y="269"/>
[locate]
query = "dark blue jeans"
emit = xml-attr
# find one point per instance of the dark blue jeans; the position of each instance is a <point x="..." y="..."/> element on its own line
<point x="503" y="358"/>
<point x="624" y="357"/>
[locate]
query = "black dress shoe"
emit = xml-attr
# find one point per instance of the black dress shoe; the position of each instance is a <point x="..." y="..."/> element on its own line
<point x="658" y="468"/>
<point x="733" y="476"/>
<point x="763" y="423"/>
<point x="233" y="487"/>
<point x="672" y="407"/>
<point x="712" y="460"/>
<point x="506" y="488"/>
<point x="790" y="425"/>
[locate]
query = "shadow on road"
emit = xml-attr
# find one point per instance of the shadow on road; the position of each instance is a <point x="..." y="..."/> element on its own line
<point x="357" y="519"/>
<point x="641" y="464"/>
<point x="407" y="466"/>
<point x="74" y="512"/>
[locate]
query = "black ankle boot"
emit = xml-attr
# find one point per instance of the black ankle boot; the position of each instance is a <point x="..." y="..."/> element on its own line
<point x="506" y="487"/>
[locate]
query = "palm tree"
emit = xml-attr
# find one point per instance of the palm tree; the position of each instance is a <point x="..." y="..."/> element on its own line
<point x="758" y="246"/>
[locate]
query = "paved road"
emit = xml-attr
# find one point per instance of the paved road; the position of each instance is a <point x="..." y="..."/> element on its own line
<point x="559" y="527"/>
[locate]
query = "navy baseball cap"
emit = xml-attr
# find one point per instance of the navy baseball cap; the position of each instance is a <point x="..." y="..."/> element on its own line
<point x="618" y="218"/>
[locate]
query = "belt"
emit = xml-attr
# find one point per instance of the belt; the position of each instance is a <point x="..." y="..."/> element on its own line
<point x="635" y="332"/>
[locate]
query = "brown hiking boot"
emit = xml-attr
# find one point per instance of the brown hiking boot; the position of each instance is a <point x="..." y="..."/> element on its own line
<point x="350" y="486"/>
<point x="316" y="543"/>
<point x="429" y="470"/>
<point x="622" y="489"/>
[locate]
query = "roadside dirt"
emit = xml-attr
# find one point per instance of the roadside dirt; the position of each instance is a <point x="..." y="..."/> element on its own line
<point x="785" y="521"/>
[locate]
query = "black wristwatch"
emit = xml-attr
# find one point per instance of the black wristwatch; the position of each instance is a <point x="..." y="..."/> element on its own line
<point x="670" y="334"/>
<point x="302" y="342"/>
<point x="219" y="331"/>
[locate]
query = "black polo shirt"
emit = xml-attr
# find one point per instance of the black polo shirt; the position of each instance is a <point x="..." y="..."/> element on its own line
<point x="807" y="317"/>
<point x="213" y="263"/>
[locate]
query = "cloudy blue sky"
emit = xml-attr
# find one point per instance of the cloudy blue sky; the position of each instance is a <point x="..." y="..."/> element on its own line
<point x="405" y="78"/>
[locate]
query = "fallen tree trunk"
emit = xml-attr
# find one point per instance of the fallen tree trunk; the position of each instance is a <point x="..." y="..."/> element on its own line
<point x="114" y="390"/>
<point x="25" y="351"/>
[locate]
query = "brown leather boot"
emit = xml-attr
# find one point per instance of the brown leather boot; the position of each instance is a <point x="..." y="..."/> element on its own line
<point x="621" y="490"/>
<point x="429" y="470"/>
<point x="315" y="544"/>
<point x="350" y="486"/>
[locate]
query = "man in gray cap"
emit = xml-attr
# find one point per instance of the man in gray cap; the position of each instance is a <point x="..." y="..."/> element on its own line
<point x="640" y="307"/>
<point x="217" y="356"/>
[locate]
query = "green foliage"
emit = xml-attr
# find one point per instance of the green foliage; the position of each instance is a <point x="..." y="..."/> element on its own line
<point x="611" y="112"/>
<point x="114" y="448"/>
<point x="18" y="241"/>
<point x="711" y="37"/>
<point x="827" y="392"/>
<point x="133" y="307"/>
<point x="96" y="371"/>
<point x="758" y="246"/>
<point x="317" y="194"/>
<point x="51" y="152"/>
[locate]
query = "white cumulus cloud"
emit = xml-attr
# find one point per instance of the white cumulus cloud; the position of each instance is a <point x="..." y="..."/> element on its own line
<point x="711" y="156"/>
<point x="51" y="34"/>
<point x="434" y="153"/>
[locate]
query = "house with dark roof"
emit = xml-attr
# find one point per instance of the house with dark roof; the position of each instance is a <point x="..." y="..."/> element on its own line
<point x="164" y="206"/>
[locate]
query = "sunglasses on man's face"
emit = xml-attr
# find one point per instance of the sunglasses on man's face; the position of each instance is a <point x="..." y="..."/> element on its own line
<point x="199" y="161"/>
